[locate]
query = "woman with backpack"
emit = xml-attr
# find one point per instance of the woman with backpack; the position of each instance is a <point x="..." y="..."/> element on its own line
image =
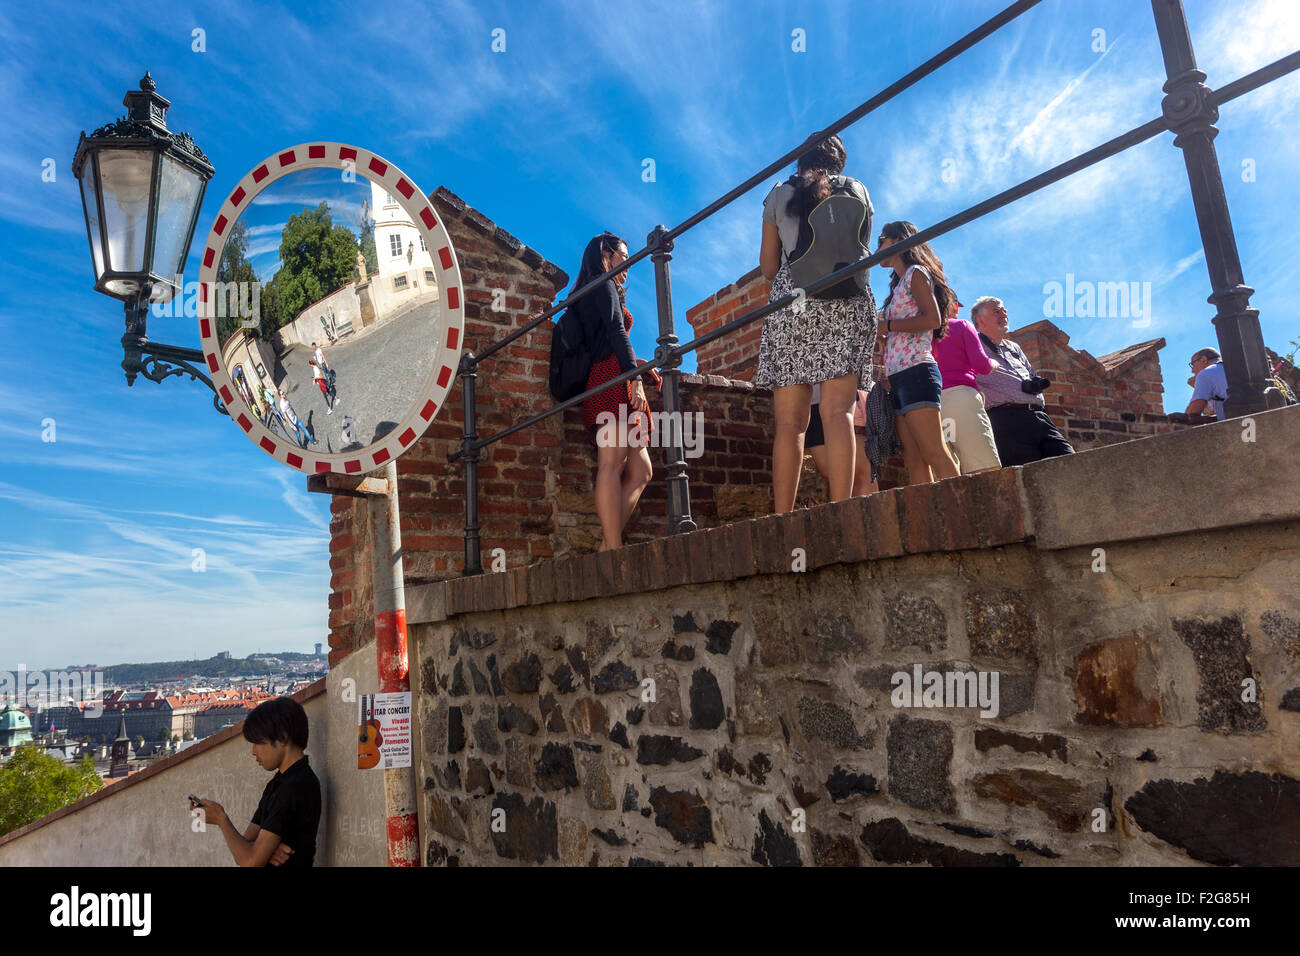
<point x="815" y="222"/>
<point x="622" y="470"/>
<point x="915" y="317"/>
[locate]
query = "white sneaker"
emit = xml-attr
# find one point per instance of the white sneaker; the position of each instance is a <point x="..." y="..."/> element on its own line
<point x="329" y="411"/>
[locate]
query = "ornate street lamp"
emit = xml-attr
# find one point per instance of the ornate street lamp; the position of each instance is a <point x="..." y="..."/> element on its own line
<point x="141" y="189"/>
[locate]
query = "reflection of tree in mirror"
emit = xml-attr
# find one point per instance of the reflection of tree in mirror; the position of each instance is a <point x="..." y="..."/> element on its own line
<point x="234" y="267"/>
<point x="317" y="257"/>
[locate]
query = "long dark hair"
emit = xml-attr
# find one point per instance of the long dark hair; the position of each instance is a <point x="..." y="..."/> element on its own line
<point x="921" y="255"/>
<point x="593" y="261"/>
<point x="816" y="166"/>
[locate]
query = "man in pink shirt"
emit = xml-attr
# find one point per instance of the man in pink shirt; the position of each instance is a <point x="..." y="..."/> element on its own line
<point x="966" y="425"/>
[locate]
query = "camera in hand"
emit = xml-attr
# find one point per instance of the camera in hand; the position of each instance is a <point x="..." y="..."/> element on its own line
<point x="1035" y="385"/>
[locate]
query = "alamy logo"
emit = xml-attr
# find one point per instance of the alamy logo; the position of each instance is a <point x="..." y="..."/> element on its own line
<point x="923" y="688"/>
<point x="102" y="909"/>
<point x="665" y="430"/>
<point x="54" y="688"/>
<point x="213" y="300"/>
<point x="1097" y="300"/>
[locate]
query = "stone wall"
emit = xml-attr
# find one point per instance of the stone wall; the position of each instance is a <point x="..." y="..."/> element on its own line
<point x="698" y="699"/>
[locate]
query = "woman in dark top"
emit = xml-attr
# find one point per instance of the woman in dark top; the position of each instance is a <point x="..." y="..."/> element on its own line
<point x="623" y="467"/>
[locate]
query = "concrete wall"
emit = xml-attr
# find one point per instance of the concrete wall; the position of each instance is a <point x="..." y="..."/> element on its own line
<point x="144" y="820"/>
<point x="307" y="329"/>
<point x="1148" y="656"/>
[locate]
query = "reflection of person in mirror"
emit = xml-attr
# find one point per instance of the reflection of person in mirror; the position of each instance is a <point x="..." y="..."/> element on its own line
<point x="622" y="470"/>
<point x="291" y="418"/>
<point x="272" y="415"/>
<point x="283" y="830"/>
<point x="318" y="376"/>
<point x="320" y="357"/>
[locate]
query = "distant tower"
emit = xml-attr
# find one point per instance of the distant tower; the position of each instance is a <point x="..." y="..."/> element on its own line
<point x="121" y="751"/>
<point x="318" y="649"/>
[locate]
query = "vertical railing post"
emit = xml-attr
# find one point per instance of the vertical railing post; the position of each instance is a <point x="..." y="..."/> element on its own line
<point x="470" y="455"/>
<point x="1191" y="114"/>
<point x="679" y="491"/>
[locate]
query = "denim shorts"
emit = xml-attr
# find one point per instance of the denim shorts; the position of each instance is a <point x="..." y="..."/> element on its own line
<point x="918" y="386"/>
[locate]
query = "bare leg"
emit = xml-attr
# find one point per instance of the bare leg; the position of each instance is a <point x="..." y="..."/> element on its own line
<point x="636" y="477"/>
<point x="790" y="409"/>
<point x="926" y="430"/>
<point x="918" y="472"/>
<point x="863" y="482"/>
<point x="609" y="494"/>
<point x="838" y="397"/>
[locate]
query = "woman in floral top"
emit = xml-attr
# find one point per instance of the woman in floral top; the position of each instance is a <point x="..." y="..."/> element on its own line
<point x="915" y="317"/>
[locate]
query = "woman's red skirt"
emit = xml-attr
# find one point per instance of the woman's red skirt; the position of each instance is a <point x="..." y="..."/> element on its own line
<point x="613" y="400"/>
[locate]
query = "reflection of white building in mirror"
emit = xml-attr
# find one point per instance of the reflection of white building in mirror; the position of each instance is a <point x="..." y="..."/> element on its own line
<point x="405" y="265"/>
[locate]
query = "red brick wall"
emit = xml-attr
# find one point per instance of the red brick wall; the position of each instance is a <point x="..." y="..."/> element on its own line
<point x="732" y="356"/>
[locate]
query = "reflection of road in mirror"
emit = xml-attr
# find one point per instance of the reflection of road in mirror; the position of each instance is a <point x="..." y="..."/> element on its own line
<point x="378" y="372"/>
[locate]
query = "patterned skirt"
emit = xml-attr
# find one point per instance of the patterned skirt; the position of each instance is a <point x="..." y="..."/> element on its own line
<point x="830" y="338"/>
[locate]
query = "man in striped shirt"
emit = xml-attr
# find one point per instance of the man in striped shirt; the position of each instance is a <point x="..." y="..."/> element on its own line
<point x="1013" y="393"/>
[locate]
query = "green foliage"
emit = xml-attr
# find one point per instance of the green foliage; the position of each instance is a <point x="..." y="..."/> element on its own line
<point x="316" y="258"/>
<point x="164" y="734"/>
<point x="34" y="784"/>
<point x="234" y="267"/>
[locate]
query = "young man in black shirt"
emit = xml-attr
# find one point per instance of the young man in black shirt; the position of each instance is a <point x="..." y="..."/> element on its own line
<point x="283" y="831"/>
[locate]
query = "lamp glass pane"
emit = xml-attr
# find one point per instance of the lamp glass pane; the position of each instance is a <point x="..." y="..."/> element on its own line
<point x="90" y="200"/>
<point x="178" y="193"/>
<point x="127" y="176"/>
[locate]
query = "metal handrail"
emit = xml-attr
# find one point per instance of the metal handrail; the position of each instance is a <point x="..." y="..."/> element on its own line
<point x="1190" y="108"/>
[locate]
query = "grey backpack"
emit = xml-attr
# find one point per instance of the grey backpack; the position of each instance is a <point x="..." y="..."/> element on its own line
<point x="835" y="233"/>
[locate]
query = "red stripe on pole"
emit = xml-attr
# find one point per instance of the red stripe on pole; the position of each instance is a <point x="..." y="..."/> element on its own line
<point x="295" y="460"/>
<point x="378" y="166"/>
<point x="208" y="255"/>
<point x="408" y="436"/>
<point x="226" y="396"/>
<point x="380" y="456"/>
<point x="260" y="173"/>
<point x="404" y="188"/>
<point x="205" y="328"/>
<point x="444" y="256"/>
<point x="347" y="152"/>
<point x="237" y="196"/>
<point x="390" y="645"/>
<point x="453" y="338"/>
<point x="322" y="466"/>
<point x="287" y="158"/>
<point x="453" y="298"/>
<point x="403" y="840"/>
<point x="315" y="152"/>
<point x="426" y="217"/>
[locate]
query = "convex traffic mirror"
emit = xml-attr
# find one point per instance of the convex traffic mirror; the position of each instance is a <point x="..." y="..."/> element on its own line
<point x="330" y="308"/>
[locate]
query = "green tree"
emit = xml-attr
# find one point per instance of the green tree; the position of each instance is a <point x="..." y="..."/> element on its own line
<point x="234" y="267"/>
<point x="316" y="258"/>
<point x="34" y="784"/>
<point x="164" y="734"/>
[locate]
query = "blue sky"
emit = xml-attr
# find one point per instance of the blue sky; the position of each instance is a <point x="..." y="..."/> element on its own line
<point x="98" y="528"/>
